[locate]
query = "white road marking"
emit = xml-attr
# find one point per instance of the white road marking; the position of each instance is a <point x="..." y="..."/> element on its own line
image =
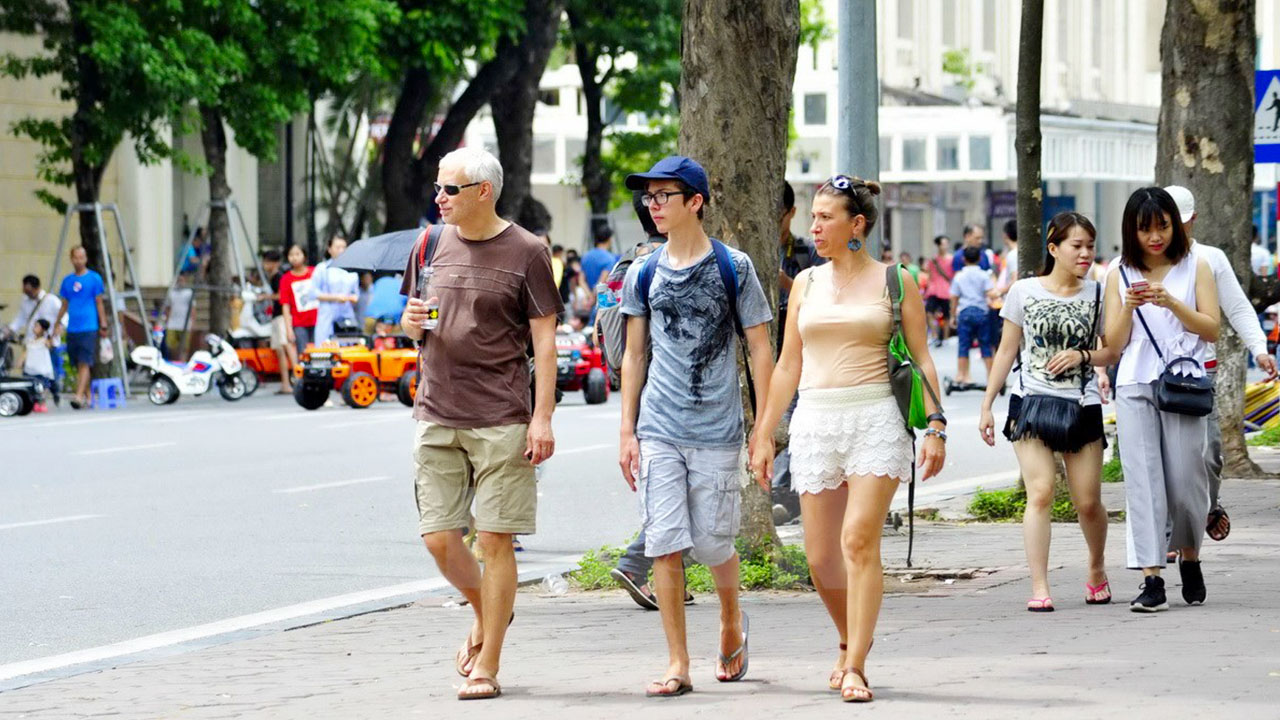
<point x="50" y="521"/>
<point x="323" y="486"/>
<point x="267" y="617"/>
<point x="588" y="448"/>
<point x="124" y="448"/>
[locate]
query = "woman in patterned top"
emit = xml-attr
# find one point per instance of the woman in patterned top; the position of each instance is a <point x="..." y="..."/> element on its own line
<point x="1056" y="408"/>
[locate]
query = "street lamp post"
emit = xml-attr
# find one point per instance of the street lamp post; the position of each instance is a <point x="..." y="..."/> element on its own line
<point x="858" y="123"/>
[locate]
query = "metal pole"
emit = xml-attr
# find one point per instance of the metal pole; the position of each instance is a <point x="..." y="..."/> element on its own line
<point x="248" y="242"/>
<point x="62" y="245"/>
<point x="858" y="123"/>
<point x="111" y="297"/>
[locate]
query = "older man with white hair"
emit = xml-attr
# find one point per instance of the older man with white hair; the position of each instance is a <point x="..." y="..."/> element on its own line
<point x="482" y="288"/>
<point x="1238" y="311"/>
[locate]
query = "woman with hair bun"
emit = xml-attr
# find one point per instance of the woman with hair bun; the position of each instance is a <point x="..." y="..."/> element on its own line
<point x="849" y="445"/>
<point x="1055" y="321"/>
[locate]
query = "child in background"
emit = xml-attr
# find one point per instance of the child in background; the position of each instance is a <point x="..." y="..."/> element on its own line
<point x="38" y="364"/>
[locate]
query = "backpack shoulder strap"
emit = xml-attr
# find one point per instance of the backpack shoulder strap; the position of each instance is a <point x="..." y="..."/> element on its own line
<point x="427" y="250"/>
<point x="648" y="268"/>
<point x="728" y="275"/>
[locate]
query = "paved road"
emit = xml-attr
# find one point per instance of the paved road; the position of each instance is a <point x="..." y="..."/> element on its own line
<point x="122" y="525"/>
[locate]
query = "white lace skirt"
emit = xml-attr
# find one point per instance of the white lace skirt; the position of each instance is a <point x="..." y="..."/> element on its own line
<point x="838" y="432"/>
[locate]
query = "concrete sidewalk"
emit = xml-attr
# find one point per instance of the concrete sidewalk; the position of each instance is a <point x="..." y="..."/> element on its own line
<point x="967" y="649"/>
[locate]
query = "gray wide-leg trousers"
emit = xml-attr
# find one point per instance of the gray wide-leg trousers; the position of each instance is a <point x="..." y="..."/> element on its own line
<point x="1166" y="479"/>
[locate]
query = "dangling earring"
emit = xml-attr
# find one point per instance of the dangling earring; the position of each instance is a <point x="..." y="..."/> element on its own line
<point x="855" y="244"/>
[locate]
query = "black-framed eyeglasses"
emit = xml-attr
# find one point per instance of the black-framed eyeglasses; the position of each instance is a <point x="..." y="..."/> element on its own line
<point x="452" y="190"/>
<point x="661" y="197"/>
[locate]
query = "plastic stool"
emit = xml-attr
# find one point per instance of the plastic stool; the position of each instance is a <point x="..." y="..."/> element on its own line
<point x="106" y="394"/>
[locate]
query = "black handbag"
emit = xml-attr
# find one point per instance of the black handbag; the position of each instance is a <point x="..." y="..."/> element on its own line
<point x="1180" y="394"/>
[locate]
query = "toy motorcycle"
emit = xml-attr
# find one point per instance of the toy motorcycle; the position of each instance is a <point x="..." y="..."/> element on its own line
<point x="218" y="366"/>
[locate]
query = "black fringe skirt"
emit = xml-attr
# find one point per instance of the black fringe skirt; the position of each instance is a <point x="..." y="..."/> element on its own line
<point x="1064" y="425"/>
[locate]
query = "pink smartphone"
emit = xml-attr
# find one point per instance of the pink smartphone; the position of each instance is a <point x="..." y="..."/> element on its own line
<point x="1139" y="287"/>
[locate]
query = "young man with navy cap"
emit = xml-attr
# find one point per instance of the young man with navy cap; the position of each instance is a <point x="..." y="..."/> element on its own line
<point x="681" y="437"/>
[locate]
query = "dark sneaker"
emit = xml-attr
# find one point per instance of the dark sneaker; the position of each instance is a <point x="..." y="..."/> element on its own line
<point x="1152" y="598"/>
<point x="1193" y="590"/>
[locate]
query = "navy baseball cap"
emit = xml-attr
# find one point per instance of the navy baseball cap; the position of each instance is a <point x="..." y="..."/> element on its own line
<point x="675" y="167"/>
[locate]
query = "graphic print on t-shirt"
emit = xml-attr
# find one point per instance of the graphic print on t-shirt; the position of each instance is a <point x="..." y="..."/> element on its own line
<point x="1053" y="325"/>
<point x="694" y="313"/>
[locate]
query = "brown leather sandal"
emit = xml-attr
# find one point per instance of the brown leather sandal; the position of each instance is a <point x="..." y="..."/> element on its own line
<point x="494" y="691"/>
<point x="468" y="652"/>
<point x="836" y="680"/>
<point x="859" y="694"/>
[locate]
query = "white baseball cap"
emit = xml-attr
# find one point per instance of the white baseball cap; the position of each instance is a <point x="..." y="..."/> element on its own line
<point x="1185" y="200"/>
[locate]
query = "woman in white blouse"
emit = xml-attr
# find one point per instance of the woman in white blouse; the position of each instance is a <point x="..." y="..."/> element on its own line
<point x="1162" y="304"/>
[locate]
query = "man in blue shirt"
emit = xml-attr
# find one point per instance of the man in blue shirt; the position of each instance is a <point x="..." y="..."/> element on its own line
<point x="598" y="261"/>
<point x="81" y="293"/>
<point x="973" y="237"/>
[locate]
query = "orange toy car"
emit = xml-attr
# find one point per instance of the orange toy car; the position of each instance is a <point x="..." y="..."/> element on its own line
<point x="360" y="373"/>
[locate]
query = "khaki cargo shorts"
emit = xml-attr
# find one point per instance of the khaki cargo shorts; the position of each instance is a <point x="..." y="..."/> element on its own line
<point x="455" y="466"/>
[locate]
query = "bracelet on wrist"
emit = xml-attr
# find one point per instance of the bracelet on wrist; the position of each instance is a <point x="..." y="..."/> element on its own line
<point x="940" y="434"/>
<point x="937" y="417"/>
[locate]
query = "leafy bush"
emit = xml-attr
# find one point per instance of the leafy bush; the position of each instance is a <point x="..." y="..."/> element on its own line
<point x="1111" y="470"/>
<point x="762" y="568"/>
<point x="1010" y="504"/>
<point x="1268" y="437"/>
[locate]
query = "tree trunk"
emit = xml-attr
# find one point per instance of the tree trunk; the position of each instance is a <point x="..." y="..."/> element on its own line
<point x="595" y="181"/>
<point x="404" y="196"/>
<point x="214" y="138"/>
<point x="1027" y="145"/>
<point x="738" y="65"/>
<point x="86" y="171"/>
<point x="514" y="103"/>
<point x="1205" y="142"/>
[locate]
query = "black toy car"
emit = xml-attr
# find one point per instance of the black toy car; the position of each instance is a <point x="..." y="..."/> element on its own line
<point x="18" y="395"/>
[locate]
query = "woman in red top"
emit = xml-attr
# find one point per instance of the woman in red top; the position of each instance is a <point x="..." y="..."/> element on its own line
<point x="937" y="289"/>
<point x="298" y="301"/>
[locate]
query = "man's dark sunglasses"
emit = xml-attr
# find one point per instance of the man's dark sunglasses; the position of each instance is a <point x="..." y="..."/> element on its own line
<point x="452" y="190"/>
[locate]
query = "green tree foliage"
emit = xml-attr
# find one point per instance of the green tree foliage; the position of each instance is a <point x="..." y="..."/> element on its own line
<point x="429" y="51"/>
<point x="117" y="82"/>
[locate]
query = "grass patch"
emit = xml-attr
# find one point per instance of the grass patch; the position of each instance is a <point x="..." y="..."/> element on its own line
<point x="1008" y="505"/>
<point x="764" y="568"/>
<point x="1111" y="470"/>
<point x="1268" y="438"/>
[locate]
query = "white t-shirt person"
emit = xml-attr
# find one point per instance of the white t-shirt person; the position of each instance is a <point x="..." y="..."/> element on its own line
<point x="1050" y="324"/>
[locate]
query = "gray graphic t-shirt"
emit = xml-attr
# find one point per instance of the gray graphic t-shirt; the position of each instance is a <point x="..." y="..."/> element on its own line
<point x="1049" y="325"/>
<point x="691" y="397"/>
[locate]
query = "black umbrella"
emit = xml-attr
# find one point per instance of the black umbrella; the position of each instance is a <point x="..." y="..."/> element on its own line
<point x="381" y="253"/>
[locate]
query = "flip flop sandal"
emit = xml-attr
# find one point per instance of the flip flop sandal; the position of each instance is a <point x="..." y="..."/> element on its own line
<point x="742" y="650"/>
<point x="857" y="696"/>
<point x="684" y="686"/>
<point x="643" y="599"/>
<point x="1218" y="516"/>
<point x="472" y="651"/>
<point x="1044" y="604"/>
<point x="494" y="691"/>
<point x="1091" y="593"/>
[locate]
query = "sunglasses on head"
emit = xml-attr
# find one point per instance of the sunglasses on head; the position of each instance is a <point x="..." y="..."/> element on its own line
<point x="452" y="190"/>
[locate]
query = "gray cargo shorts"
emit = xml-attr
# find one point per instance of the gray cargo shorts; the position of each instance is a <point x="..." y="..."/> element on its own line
<point x="689" y="500"/>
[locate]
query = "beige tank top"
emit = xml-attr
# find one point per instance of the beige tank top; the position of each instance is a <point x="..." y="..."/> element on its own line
<point x="843" y="345"/>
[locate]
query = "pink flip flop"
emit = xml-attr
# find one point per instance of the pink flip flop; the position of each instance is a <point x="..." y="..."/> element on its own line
<point x="1044" y="604"/>
<point x="1091" y="593"/>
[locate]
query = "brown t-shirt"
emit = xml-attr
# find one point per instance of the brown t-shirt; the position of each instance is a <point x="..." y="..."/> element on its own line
<point x="474" y="369"/>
